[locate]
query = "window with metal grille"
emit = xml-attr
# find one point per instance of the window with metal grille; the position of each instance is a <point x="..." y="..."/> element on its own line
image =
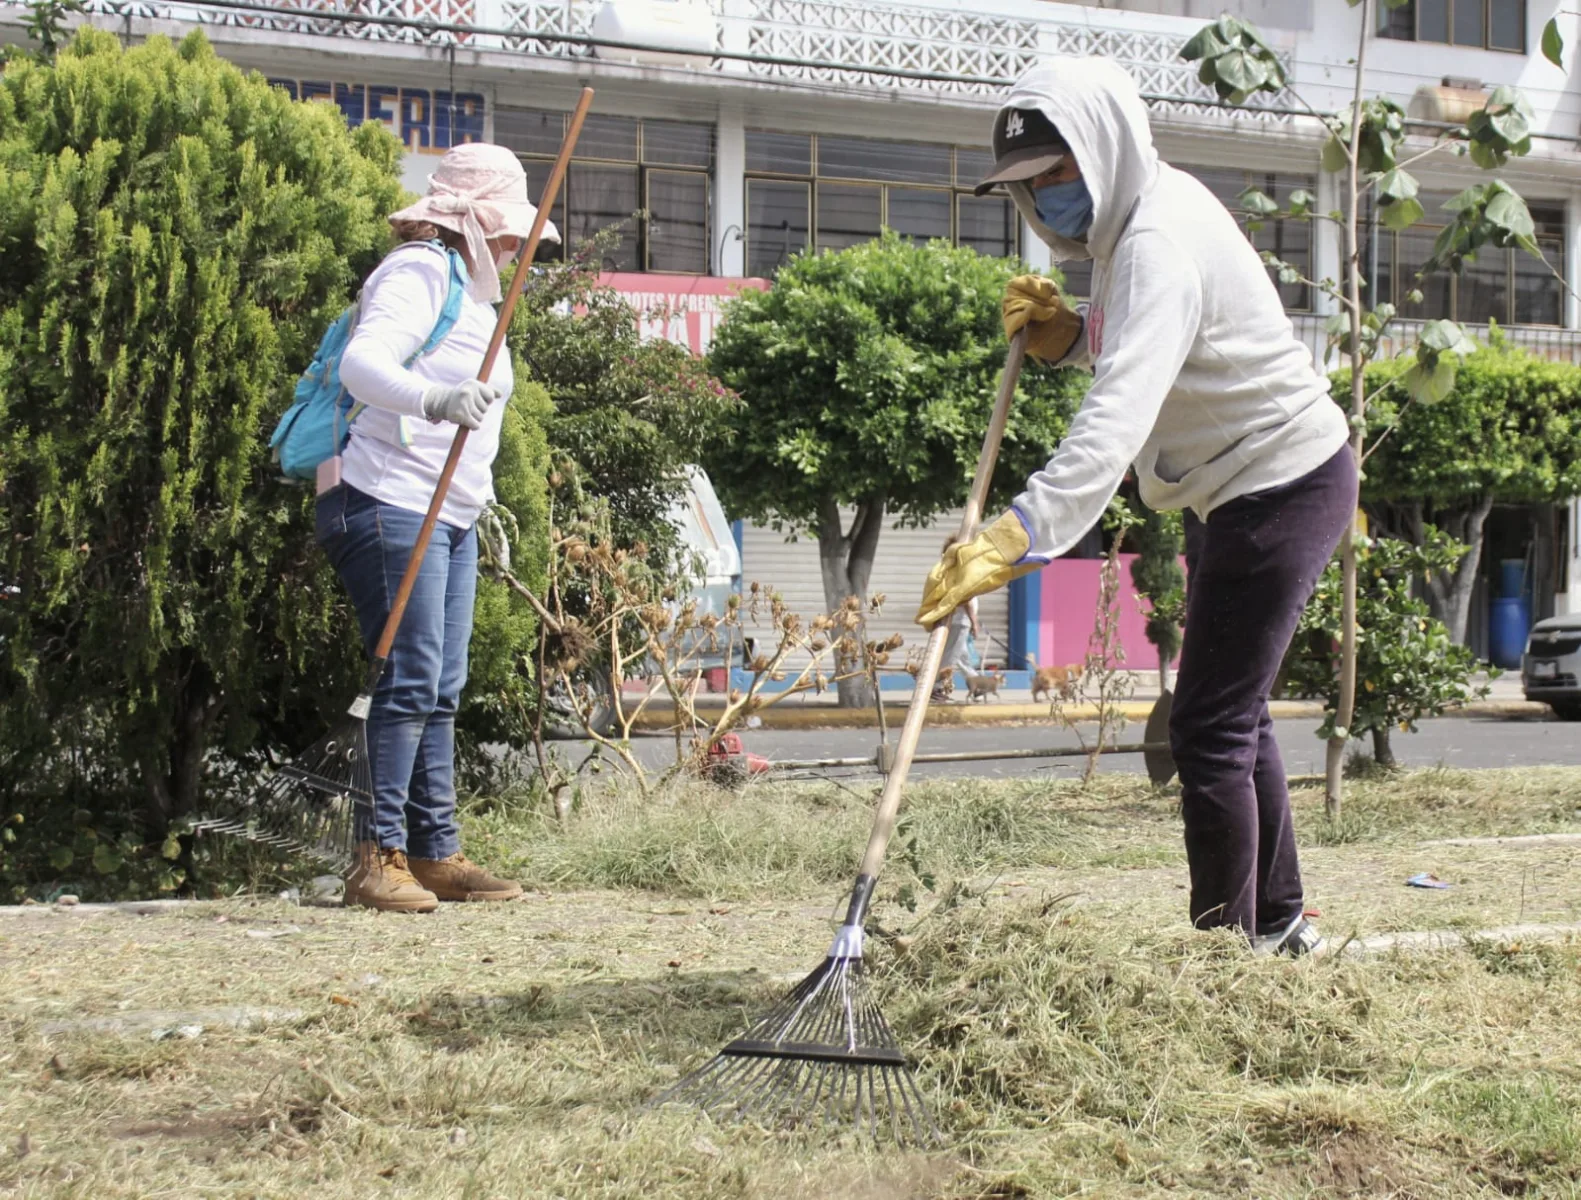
<point x="829" y="191"/>
<point x="622" y="166"/>
<point x="1507" y="286"/>
<point x="1288" y="239"/>
<point x="1489" y="24"/>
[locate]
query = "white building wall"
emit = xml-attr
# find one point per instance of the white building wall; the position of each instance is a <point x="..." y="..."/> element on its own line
<point x="900" y="567"/>
<point x="728" y="228"/>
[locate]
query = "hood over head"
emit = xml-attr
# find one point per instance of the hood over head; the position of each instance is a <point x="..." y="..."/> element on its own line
<point x="1098" y="113"/>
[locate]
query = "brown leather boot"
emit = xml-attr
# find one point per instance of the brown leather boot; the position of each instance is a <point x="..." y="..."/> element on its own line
<point x="381" y="879"/>
<point x="458" y="878"/>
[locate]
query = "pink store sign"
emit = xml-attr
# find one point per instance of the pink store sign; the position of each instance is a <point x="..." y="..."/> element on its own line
<point x="684" y="309"/>
<point x="1069" y="595"/>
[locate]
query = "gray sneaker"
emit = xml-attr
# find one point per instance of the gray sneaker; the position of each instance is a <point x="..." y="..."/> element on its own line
<point x="1297" y="939"/>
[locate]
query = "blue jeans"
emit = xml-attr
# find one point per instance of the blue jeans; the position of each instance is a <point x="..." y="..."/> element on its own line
<point x="412" y="723"/>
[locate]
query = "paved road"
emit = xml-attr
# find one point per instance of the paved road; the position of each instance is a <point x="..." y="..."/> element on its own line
<point x="1456" y="742"/>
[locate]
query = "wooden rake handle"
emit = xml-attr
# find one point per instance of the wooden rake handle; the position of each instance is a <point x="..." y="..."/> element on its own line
<point x="917" y="714"/>
<point x="501" y="327"/>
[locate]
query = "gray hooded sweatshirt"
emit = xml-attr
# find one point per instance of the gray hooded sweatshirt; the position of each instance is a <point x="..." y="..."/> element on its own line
<point x="1198" y="378"/>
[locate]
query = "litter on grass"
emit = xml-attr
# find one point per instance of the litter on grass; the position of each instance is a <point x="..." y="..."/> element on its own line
<point x="1428" y="880"/>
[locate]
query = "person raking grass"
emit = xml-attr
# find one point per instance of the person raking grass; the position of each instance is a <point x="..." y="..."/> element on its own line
<point x="1200" y="383"/>
<point x="476" y="210"/>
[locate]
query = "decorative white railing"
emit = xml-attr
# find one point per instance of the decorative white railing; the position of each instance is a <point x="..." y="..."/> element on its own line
<point x="940" y="48"/>
<point x="1544" y="341"/>
<point x="889" y="36"/>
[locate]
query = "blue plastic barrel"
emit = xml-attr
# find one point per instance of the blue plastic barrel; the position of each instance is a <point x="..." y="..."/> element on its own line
<point x="1512" y="577"/>
<point x="1509" y="621"/>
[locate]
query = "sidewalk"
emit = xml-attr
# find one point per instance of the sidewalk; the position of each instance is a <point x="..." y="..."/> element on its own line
<point x="811" y="711"/>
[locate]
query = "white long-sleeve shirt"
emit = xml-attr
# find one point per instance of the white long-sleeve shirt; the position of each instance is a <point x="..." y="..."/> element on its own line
<point x="1198" y="378"/>
<point x="395" y="453"/>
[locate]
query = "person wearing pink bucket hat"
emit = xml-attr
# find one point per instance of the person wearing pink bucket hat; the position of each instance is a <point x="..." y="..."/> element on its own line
<point x="412" y="388"/>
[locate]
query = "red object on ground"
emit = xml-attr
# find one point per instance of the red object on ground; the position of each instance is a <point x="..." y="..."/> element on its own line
<point x="728" y="758"/>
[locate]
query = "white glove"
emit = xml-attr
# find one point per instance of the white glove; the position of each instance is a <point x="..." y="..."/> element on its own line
<point x="461" y="404"/>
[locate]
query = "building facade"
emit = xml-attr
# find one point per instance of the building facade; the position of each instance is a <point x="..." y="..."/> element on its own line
<point x="749" y="130"/>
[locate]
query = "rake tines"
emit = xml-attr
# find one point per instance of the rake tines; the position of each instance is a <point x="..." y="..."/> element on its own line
<point x="320" y="805"/>
<point x="823" y="1055"/>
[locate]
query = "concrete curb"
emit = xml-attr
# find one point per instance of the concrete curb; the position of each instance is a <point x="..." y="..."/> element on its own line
<point x="1434" y="940"/>
<point x="135" y="908"/>
<point x="791" y="715"/>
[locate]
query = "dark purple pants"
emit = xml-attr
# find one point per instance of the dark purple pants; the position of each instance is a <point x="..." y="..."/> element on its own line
<point x="1251" y="567"/>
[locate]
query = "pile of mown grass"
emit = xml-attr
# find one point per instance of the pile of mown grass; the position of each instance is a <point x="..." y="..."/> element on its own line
<point x="791" y="839"/>
<point x="1071" y="1055"/>
<point x="508" y="1050"/>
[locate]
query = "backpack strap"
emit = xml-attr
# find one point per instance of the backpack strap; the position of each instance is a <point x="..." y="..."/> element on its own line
<point x="449" y="314"/>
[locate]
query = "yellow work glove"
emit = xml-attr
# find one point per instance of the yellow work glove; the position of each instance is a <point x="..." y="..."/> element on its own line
<point x="971" y="568"/>
<point x="1052" y="325"/>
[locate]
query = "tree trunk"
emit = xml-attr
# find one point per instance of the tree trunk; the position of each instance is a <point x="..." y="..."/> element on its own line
<point x="1334" y="772"/>
<point x="172" y="788"/>
<point x="1382" y="751"/>
<point x="1451" y="595"/>
<point x="845" y="558"/>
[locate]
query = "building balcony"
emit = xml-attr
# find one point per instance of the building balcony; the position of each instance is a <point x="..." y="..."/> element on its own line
<point x="928" y="49"/>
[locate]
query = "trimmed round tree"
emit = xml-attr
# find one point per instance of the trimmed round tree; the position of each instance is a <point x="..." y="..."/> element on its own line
<point x="1158" y="578"/>
<point x="867" y="378"/>
<point x="176" y="236"/>
<point x="1508" y="432"/>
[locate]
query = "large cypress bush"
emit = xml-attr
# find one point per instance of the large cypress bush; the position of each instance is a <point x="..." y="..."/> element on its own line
<point x="176" y="236"/>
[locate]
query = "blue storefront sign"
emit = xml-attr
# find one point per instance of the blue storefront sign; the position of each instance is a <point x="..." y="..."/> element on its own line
<point x="427" y="121"/>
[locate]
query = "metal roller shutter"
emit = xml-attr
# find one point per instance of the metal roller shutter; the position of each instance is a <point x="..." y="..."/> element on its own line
<point x="899" y="568"/>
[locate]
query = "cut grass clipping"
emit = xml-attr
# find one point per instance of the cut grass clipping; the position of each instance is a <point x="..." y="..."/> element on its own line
<point x="788" y="840"/>
<point x="1073" y="1036"/>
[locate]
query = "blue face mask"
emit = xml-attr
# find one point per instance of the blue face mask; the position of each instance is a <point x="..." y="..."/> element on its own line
<point x="1066" y="208"/>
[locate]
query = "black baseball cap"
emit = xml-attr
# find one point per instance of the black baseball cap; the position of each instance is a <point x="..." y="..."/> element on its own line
<point x="1025" y="145"/>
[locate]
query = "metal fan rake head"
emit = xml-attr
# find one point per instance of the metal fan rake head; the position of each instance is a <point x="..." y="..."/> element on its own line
<point x="321" y="805"/>
<point x="824" y="1055"/>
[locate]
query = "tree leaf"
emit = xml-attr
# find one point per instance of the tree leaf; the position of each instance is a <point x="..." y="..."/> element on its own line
<point x="105" y="860"/>
<point x="1301" y="202"/>
<point x="1205" y="44"/>
<point x="1509" y="123"/>
<point x="1442" y="336"/>
<point x="1507" y="211"/>
<point x="1240" y="70"/>
<point x="1254" y="200"/>
<point x="1428" y="384"/>
<point x="1553" y="43"/>
<point x="61" y="857"/>
<point x="1335" y="154"/>
<point x="1401" y="214"/>
<point x="1397" y="185"/>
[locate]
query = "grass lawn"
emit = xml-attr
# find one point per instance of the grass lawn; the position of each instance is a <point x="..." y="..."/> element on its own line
<point x="1072" y="1034"/>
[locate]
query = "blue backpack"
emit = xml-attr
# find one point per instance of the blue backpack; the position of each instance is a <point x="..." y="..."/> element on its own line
<point x="317" y="425"/>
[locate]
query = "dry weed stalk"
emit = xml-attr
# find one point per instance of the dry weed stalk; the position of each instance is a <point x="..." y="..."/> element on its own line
<point x="617" y="615"/>
<point x="1104" y="683"/>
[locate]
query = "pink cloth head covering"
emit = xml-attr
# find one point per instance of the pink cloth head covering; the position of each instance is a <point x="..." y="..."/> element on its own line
<point x="479" y="191"/>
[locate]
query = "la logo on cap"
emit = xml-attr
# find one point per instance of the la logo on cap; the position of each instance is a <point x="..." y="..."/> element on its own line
<point x="1014" y="125"/>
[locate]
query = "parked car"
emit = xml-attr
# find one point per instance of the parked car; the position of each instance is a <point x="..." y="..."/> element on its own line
<point x="704" y="532"/>
<point x="1551" y="667"/>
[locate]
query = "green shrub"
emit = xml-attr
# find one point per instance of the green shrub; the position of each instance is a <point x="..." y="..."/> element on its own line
<point x="1407" y="665"/>
<point x="176" y="236"/>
